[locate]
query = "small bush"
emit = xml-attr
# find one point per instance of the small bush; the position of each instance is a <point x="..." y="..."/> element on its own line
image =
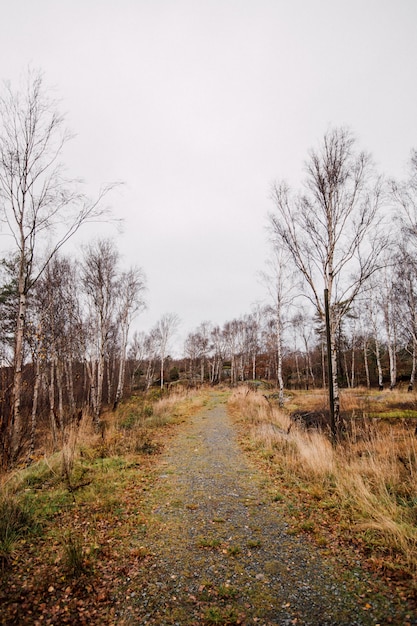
<point x="128" y="422"/>
<point x="219" y="615"/>
<point x="147" y="410"/>
<point x="15" y="521"/>
<point x="73" y="555"/>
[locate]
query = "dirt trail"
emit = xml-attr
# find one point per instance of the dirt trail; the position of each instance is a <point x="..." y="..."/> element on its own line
<point x="220" y="552"/>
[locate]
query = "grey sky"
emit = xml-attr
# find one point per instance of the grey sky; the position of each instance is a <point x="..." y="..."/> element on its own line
<point x="199" y="105"/>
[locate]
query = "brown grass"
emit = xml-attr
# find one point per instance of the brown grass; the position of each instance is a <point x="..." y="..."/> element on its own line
<point x="367" y="482"/>
<point x="80" y="536"/>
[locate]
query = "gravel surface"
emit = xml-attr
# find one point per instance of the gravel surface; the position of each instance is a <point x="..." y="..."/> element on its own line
<point x="219" y="552"/>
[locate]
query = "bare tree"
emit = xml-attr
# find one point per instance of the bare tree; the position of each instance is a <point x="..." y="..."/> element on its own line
<point x="165" y="329"/>
<point x="52" y="335"/>
<point x="131" y="286"/>
<point x="405" y="301"/>
<point x="99" y="276"/>
<point x="331" y="230"/>
<point x="386" y="300"/>
<point x="372" y="311"/>
<point x="302" y="325"/>
<point x="36" y="200"/>
<point x="192" y="352"/>
<point x="404" y="195"/>
<point x="234" y="341"/>
<point x="218" y="354"/>
<point x="252" y="337"/>
<point x="280" y="285"/>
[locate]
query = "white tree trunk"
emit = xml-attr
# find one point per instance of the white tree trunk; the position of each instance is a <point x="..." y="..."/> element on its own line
<point x="34" y="409"/>
<point x="413" y="367"/>
<point x="17" y="426"/>
<point x="365" y="358"/>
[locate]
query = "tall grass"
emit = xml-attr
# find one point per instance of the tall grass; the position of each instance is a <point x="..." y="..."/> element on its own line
<point x="91" y="467"/>
<point x="132" y="428"/>
<point x="370" y="476"/>
<point x="15" y="521"/>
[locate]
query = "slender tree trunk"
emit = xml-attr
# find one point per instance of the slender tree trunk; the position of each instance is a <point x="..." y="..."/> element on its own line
<point x="17" y="426"/>
<point x="59" y="380"/>
<point x="70" y="385"/>
<point x="149" y="374"/>
<point x="90" y="371"/>
<point x="365" y="358"/>
<point x="34" y="409"/>
<point x="310" y="367"/>
<point x="390" y="328"/>
<point x="378" y="365"/>
<point x="162" y="372"/>
<point x="280" y="380"/>
<point x="392" y="365"/>
<point x="413" y="368"/>
<point x="336" y="395"/>
<point x="346" y="369"/>
<point x="298" y="371"/>
<point x="109" y="369"/>
<point x="352" y="380"/>
<point x="122" y="365"/>
<point x="51" y="390"/>
<point x="99" y="390"/>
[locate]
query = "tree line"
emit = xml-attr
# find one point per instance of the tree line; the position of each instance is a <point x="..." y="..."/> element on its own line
<point x="348" y="234"/>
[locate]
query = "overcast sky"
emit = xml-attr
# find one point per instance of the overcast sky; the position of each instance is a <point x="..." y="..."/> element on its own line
<point x="199" y="105"/>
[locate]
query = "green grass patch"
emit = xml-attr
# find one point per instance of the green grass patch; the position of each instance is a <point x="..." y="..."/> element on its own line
<point x="208" y="542"/>
<point x="254" y="543"/>
<point x="16" y="521"/>
<point x="220" y="615"/>
<point x="226" y="592"/>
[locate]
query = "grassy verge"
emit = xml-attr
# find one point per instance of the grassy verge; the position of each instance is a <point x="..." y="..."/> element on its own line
<point x="72" y="524"/>
<point x="358" y="497"/>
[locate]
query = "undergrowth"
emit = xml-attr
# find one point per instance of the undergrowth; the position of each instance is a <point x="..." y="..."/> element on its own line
<point x="92" y="469"/>
<point x="363" y="490"/>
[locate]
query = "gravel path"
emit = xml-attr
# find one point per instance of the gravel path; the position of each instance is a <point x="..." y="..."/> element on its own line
<point x="220" y="552"/>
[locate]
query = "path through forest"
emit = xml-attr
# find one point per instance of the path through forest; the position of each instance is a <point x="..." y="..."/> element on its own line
<point x="220" y="552"/>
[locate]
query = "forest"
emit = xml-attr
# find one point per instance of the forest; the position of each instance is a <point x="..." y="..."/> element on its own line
<point x="66" y="342"/>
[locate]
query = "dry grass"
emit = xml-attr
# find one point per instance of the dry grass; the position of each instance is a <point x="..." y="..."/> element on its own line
<point x="369" y="478"/>
<point x="90" y="461"/>
<point x="131" y="429"/>
<point x="81" y="536"/>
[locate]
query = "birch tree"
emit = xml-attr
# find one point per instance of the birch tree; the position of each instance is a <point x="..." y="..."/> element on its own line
<point x="35" y="201"/>
<point x="387" y="298"/>
<point x="331" y="230"/>
<point x="131" y="287"/>
<point x="164" y="330"/>
<point x="280" y="285"/>
<point x="52" y="334"/>
<point x="405" y="290"/>
<point x="99" y="274"/>
<point x="404" y="195"/>
<point x="218" y="355"/>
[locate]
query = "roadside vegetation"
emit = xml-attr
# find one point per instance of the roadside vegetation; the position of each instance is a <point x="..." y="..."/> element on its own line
<point x="358" y="496"/>
<point x="72" y="523"/>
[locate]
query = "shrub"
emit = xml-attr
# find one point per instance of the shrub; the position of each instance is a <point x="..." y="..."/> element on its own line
<point x="15" y="520"/>
<point x="73" y="555"/>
